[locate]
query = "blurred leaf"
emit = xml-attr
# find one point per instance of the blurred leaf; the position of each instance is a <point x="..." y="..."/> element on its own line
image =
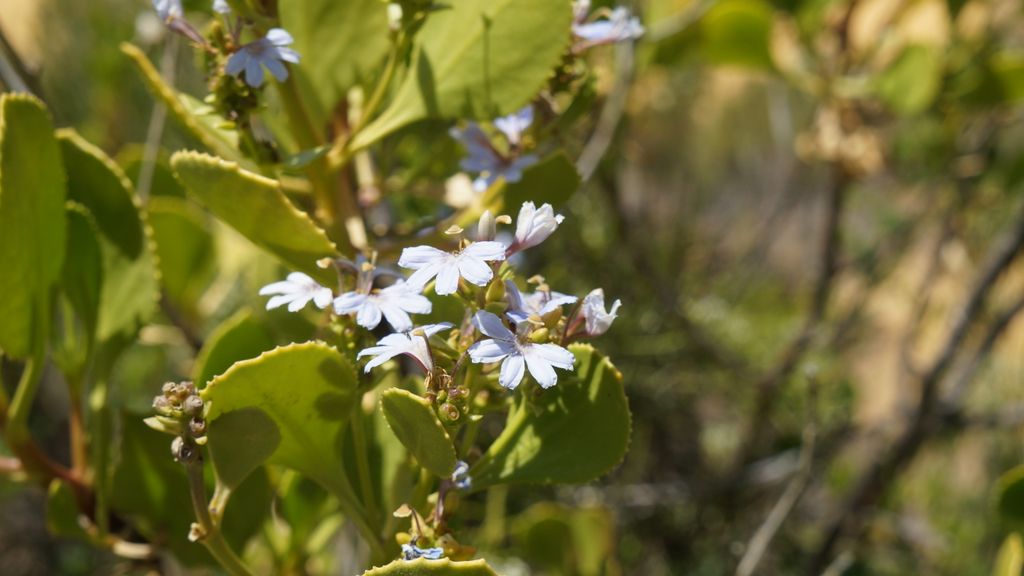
<point x="1010" y="560"/>
<point x="240" y="337"/>
<point x="130" y="287"/>
<point x="566" y="540"/>
<point x="256" y="207"/>
<point x="289" y="406"/>
<point x="32" y="218"/>
<point x="576" y="431"/>
<point x="1010" y="496"/>
<point x="476" y="59"/>
<point x="130" y="159"/>
<point x="553" y="180"/>
<point x="738" y="33"/>
<point x="912" y="82"/>
<point x="297" y="162"/>
<point x="185" y="248"/>
<point x="196" y="118"/>
<point x="344" y="42"/>
<point x="82" y="276"/>
<point x="151" y="488"/>
<point x="62" y="511"/>
<point x="415" y="424"/>
<point x="423" y="567"/>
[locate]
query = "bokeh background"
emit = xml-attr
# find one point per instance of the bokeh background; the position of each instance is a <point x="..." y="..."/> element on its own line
<point x="811" y="211"/>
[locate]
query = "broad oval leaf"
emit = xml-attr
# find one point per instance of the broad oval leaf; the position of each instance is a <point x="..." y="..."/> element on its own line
<point x="290" y="406"/>
<point x="476" y="59"/>
<point x="240" y="337"/>
<point x="423" y="567"/>
<point x="553" y="180"/>
<point x="1010" y="560"/>
<point x="130" y="285"/>
<point x="1010" y="496"/>
<point x="82" y="276"/>
<point x="415" y="424"/>
<point x="32" y="219"/>
<point x="256" y="207"/>
<point x="576" y="431"/>
<point x="345" y="41"/>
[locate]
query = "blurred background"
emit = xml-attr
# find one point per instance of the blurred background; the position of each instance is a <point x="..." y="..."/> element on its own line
<point x="812" y="213"/>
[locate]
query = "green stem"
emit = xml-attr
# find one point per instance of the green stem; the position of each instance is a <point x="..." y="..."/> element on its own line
<point x="363" y="462"/>
<point x="28" y="386"/>
<point x="209" y="532"/>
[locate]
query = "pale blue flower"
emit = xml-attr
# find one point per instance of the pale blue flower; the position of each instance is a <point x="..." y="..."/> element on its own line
<point x="413" y="344"/>
<point x="270" y="51"/>
<point x="534" y="225"/>
<point x="460" y="477"/>
<point x="297" y="291"/>
<point x="221" y="7"/>
<point x="619" y="26"/>
<point x="469" y="263"/>
<point x="168" y="10"/>
<point x="412" y="552"/>
<point x="514" y="125"/>
<point x="395" y="303"/>
<point x="516" y="353"/>
<point x="485" y="161"/>
<point x="597" y="318"/>
<point x="523" y="306"/>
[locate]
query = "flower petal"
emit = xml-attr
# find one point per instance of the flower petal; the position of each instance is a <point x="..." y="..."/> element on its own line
<point x="490" y="351"/>
<point x="279" y="37"/>
<point x="489" y="250"/>
<point x="474" y="270"/>
<point x="277" y="69"/>
<point x="539" y="367"/>
<point x="447" y="278"/>
<point x="553" y="354"/>
<point x="349" y="302"/>
<point x="491" y="325"/>
<point x="236" y="63"/>
<point x="511" y="372"/>
<point x="395" y="316"/>
<point x="369" y="315"/>
<point x="253" y="73"/>
<point x="419" y="256"/>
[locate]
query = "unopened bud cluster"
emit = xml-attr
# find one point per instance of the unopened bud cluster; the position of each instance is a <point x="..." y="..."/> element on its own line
<point x="179" y="410"/>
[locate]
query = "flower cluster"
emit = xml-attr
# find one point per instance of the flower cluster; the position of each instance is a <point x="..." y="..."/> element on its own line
<point x="618" y="25"/>
<point x="271" y="52"/>
<point x="484" y="158"/>
<point x="517" y="333"/>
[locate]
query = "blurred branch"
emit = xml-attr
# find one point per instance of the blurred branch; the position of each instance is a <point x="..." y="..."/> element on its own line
<point x="679" y="21"/>
<point x="759" y="543"/>
<point x="14" y="75"/>
<point x="925" y="421"/>
<point x="611" y="113"/>
<point x="157" y="121"/>
<point x="194" y="339"/>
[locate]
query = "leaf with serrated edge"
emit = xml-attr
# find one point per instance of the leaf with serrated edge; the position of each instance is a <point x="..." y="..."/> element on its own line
<point x="223" y="143"/>
<point x="476" y="59"/>
<point x="424" y="567"/>
<point x="32" y="219"/>
<point x="414" y="423"/>
<point x="240" y="337"/>
<point x="257" y="208"/>
<point x="580" y="432"/>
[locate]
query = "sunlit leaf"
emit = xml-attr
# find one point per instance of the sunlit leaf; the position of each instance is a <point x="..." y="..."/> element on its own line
<point x="422" y="567"/>
<point x="32" y="219"/>
<point x="414" y="422"/>
<point x="185" y="248"/>
<point x="240" y="337"/>
<point x="1010" y="560"/>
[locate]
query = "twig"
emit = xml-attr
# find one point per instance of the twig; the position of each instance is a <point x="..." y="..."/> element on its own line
<point x="875" y="480"/>
<point x="195" y="341"/>
<point x="758" y="544"/>
<point x="14" y="75"/>
<point x="157" y="121"/>
<point x="611" y="114"/>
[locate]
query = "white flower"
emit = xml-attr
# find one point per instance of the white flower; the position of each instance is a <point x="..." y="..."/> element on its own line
<point x="460" y="477"/>
<point x="168" y="10"/>
<point x="395" y="302"/>
<point x="598" y="320"/>
<point x="296" y="292"/>
<point x="487" y="162"/>
<point x="271" y="51"/>
<point x="221" y="7"/>
<point x="534" y="225"/>
<point x="469" y="262"/>
<point x="619" y="26"/>
<point x="412" y="552"/>
<point x="412" y="343"/>
<point x="521" y="307"/>
<point x="513" y="125"/>
<point x="517" y="354"/>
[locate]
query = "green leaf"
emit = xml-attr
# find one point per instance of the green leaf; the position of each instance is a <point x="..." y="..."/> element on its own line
<point x="1010" y="560"/>
<point x="913" y="80"/>
<point x="185" y="248"/>
<point x="62" y="511"/>
<point x="32" y="218"/>
<point x="240" y="337"/>
<point x="415" y="424"/>
<point x="151" y="488"/>
<point x="553" y="180"/>
<point x="256" y="207"/>
<point x="82" y="276"/>
<point x="130" y="288"/>
<point x="345" y="42"/>
<point x="573" y="433"/>
<point x="197" y="118"/>
<point x="738" y="33"/>
<point x="1010" y="496"/>
<point x="423" y="567"/>
<point x="476" y="59"/>
<point x="289" y="406"/>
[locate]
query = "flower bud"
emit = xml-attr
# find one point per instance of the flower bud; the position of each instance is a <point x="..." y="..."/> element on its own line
<point x="486" y="229"/>
<point x="539" y="336"/>
<point x="197" y="426"/>
<point x="193" y="406"/>
<point x="449" y="412"/>
<point x="496" y="292"/>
